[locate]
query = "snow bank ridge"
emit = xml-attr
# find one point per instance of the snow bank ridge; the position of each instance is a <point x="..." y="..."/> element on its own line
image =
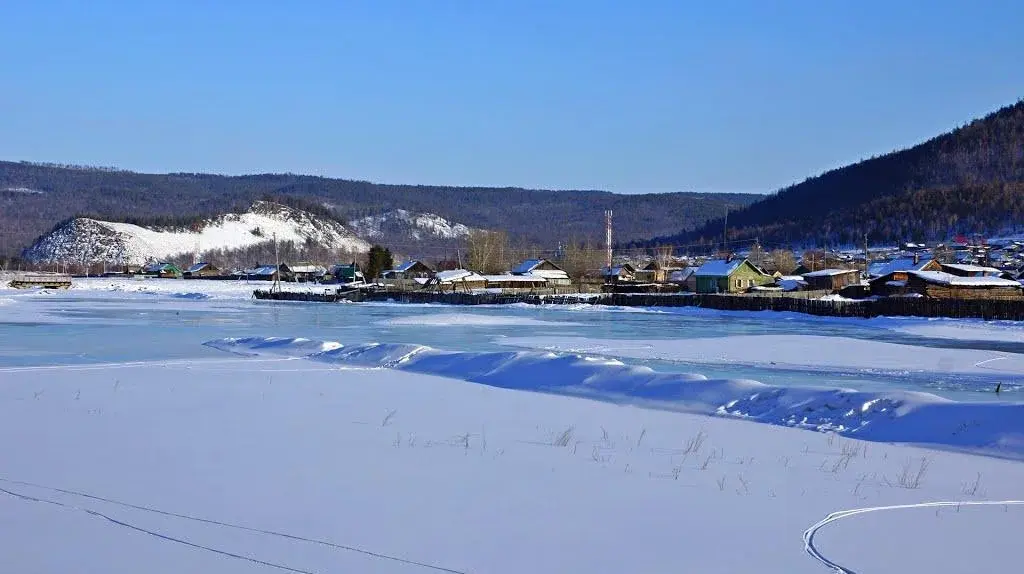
<point x="898" y="416"/>
<point x="85" y="240"/>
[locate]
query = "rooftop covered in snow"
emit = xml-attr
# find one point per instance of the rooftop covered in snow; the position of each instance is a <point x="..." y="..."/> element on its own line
<point x="943" y="278"/>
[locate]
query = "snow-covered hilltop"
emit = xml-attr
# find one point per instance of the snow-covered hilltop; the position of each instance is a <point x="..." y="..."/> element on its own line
<point x="84" y="240"/>
<point x="408" y="225"/>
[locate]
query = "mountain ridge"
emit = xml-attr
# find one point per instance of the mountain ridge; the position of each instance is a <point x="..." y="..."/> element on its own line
<point x="540" y="217"/>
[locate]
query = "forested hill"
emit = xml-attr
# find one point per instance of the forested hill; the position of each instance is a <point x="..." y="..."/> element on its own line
<point x="970" y="180"/>
<point x="35" y="197"/>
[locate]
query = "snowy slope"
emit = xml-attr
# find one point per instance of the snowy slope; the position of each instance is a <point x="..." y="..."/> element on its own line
<point x="407" y="225"/>
<point x="89" y="240"/>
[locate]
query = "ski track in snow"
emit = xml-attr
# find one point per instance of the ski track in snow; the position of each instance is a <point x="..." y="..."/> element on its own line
<point x="123" y="523"/>
<point x="154" y="533"/>
<point x="839" y="515"/>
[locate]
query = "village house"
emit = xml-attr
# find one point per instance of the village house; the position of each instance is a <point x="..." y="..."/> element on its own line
<point x="552" y="274"/>
<point x="511" y="281"/>
<point x="408" y="275"/>
<point x="942" y="285"/>
<point x="890" y="278"/>
<point x="267" y="273"/>
<point x="655" y="272"/>
<point x="129" y="269"/>
<point x="791" y="283"/>
<point x="888" y="285"/>
<point x="305" y="272"/>
<point x="684" y="277"/>
<point x="970" y="270"/>
<point x="457" y="280"/>
<point x="162" y="270"/>
<point x="624" y="273"/>
<point x="831" y="279"/>
<point x="200" y="270"/>
<point x="345" y="274"/>
<point x="729" y="276"/>
<point x="903" y="264"/>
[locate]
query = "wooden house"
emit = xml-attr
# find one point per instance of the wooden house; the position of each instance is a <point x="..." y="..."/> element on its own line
<point x="306" y="272"/>
<point x="893" y="276"/>
<point x="408" y="275"/>
<point x="510" y="281"/>
<point x="961" y="270"/>
<point x="200" y="270"/>
<point x="800" y="270"/>
<point x="345" y="274"/>
<point x="894" y="283"/>
<point x="942" y="285"/>
<point x="552" y="274"/>
<point x="729" y="276"/>
<point x="831" y="279"/>
<point x="410" y="270"/>
<point x="685" y="278"/>
<point x="268" y="273"/>
<point x="456" y="280"/>
<point x="902" y="265"/>
<point x="624" y="273"/>
<point x="162" y="270"/>
<point x="655" y="272"/>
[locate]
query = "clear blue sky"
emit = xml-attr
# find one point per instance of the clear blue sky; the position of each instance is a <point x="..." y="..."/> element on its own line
<point x="638" y="96"/>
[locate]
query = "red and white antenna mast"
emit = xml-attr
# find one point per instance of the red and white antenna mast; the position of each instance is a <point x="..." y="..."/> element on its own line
<point x="608" y="237"/>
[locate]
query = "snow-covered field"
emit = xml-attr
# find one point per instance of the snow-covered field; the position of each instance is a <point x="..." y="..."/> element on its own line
<point x="133" y="447"/>
<point x="212" y="465"/>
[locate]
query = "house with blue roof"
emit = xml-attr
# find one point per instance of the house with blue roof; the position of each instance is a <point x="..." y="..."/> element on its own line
<point x="729" y="276"/>
<point x="162" y="269"/>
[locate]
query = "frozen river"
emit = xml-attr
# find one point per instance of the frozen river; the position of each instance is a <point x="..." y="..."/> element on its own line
<point x="175" y="426"/>
<point x="105" y="321"/>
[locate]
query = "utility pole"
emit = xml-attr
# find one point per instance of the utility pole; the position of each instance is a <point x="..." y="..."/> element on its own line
<point x="725" y="231"/>
<point x="608" y="238"/>
<point x="867" y="260"/>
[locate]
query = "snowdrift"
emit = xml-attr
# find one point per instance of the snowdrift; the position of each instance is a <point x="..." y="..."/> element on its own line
<point x="898" y="416"/>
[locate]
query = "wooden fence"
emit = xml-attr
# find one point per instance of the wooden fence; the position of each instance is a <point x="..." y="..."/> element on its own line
<point x="797" y="303"/>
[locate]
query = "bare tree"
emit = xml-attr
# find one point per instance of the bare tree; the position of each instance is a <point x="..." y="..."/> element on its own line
<point x="663" y="255"/>
<point x="759" y="257"/>
<point x="489" y="252"/>
<point x="580" y="260"/>
<point x="784" y="261"/>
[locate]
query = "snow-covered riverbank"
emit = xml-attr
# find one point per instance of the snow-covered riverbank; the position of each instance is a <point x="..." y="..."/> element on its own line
<point x="275" y="463"/>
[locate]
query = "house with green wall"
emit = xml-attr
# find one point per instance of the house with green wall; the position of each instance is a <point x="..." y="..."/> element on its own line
<point x="729" y="276"/>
